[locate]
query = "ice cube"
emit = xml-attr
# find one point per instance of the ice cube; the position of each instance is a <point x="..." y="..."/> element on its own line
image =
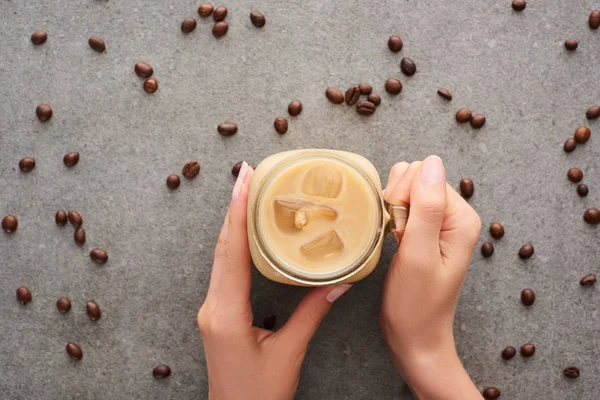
<point x="294" y="214"/>
<point x="324" y="247"/>
<point x="324" y="179"/>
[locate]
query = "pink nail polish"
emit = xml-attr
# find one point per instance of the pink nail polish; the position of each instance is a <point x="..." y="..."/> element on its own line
<point x="337" y="291"/>
<point x="240" y="181"/>
<point x="432" y="171"/>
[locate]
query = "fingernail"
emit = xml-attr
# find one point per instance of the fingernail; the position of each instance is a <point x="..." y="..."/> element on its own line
<point x="240" y="181"/>
<point x="432" y="172"/>
<point x="337" y="291"/>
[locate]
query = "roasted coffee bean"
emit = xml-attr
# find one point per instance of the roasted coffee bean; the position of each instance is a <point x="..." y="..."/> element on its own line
<point x="575" y="175"/>
<point x="79" y="236"/>
<point x="571" y="44"/>
<point x="220" y="29"/>
<point x="588" y="280"/>
<point x="463" y="115"/>
<point x="527" y="350"/>
<point x="227" y="128"/>
<point x="395" y="43"/>
<point x="63" y="304"/>
<point x="97" y="44"/>
<point x="27" y="164"/>
<point x="375" y="99"/>
<point x="571" y="372"/>
<point x="99" y="256"/>
<point x="281" y="125"/>
<point x="570" y="145"/>
<point x="352" y="95"/>
<point x="235" y="171"/>
<point x="93" y="311"/>
<point x="408" y="67"/>
<point x="269" y="321"/>
<point x="582" y="190"/>
<point x="593" y="112"/>
<point x="43" y="112"/>
<point x="220" y="13"/>
<point x="10" y="224"/>
<point x="75" y="219"/>
<point x="592" y="216"/>
<point x="365" y="89"/>
<point x="509" y="353"/>
<point x="334" y="95"/>
<point x="74" y="351"/>
<point x="61" y="218"/>
<point x="393" y="86"/>
<point x="24" y="295"/>
<point x="527" y="297"/>
<point x="519" y="5"/>
<point x="477" y="121"/>
<point x="191" y="169"/>
<point x="150" y="85"/>
<point x="188" y="25"/>
<point x="161" y="371"/>
<point x="594" y="20"/>
<point x="295" y="108"/>
<point x="487" y="249"/>
<point x="71" y="159"/>
<point x="143" y="70"/>
<point x="526" y="251"/>
<point x="445" y="94"/>
<point x="467" y="188"/>
<point x="491" y="393"/>
<point x="365" y="108"/>
<point x="205" y="10"/>
<point x="173" y="181"/>
<point x="39" y="37"/>
<point x="582" y="134"/>
<point x="257" y="19"/>
<point x="496" y="230"/>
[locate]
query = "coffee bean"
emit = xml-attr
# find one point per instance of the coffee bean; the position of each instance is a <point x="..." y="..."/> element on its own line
<point x="39" y="37"/>
<point x="79" y="236"/>
<point x="161" y="371"/>
<point x="150" y="85"/>
<point x="594" y="20"/>
<point x="571" y="44"/>
<point x="71" y="159"/>
<point x="496" y="230"/>
<point x="527" y="297"/>
<point x="63" y="304"/>
<point x="365" y="89"/>
<point x="526" y="251"/>
<point x="143" y="70"/>
<point x="205" y="10"/>
<point x="61" y="218"/>
<point x="10" y="224"/>
<point x="575" y="175"/>
<point x="393" y="86"/>
<point x="74" y="351"/>
<point x="220" y="13"/>
<point x="173" y="181"/>
<point x="588" y="280"/>
<point x="220" y="29"/>
<point x="571" y="372"/>
<point x="477" y="121"/>
<point x="467" y="188"/>
<point x="24" y="295"/>
<point x="582" y="134"/>
<point x="509" y="353"/>
<point x="235" y="171"/>
<point x="188" y="25"/>
<point x="527" y="350"/>
<point x="269" y="321"/>
<point x="27" y="164"/>
<point x="227" y="128"/>
<point x="593" y="112"/>
<point x="99" y="256"/>
<point x="592" y="216"/>
<point x="445" y="94"/>
<point x="518" y="5"/>
<point x="375" y="99"/>
<point x="334" y="95"/>
<point x="257" y="19"/>
<point x="191" y="169"/>
<point x="408" y="67"/>
<point x="93" y="311"/>
<point x="281" y="125"/>
<point x="487" y="249"/>
<point x="491" y="393"/>
<point x="365" y="108"/>
<point x="570" y="145"/>
<point x="97" y="44"/>
<point x="352" y="95"/>
<point x="75" y="218"/>
<point x="395" y="43"/>
<point x="43" y="112"/>
<point x="463" y="115"/>
<point x="582" y="190"/>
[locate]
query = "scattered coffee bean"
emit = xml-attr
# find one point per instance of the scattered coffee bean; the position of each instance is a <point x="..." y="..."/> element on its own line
<point x="334" y="95"/>
<point x="571" y="44"/>
<point x="365" y="89"/>
<point x="150" y="85"/>
<point x="161" y="371"/>
<point x="63" y="304"/>
<point x="24" y="295"/>
<point x="74" y="351"/>
<point x="575" y="175"/>
<point x="173" y="181"/>
<point x="393" y="86"/>
<point x="235" y="171"/>
<point x="188" y="25"/>
<point x="10" y="224"/>
<point x="39" y="37"/>
<point x="445" y="94"/>
<point x="588" y="280"/>
<point x="191" y="169"/>
<point x="592" y="216"/>
<point x="582" y="134"/>
<point x="467" y="188"/>
<point x="227" y="128"/>
<point x="463" y="115"/>
<point x="79" y="236"/>
<point x="408" y="67"/>
<point x="205" y="10"/>
<point x="526" y="251"/>
<point x="509" y="353"/>
<point x="594" y="20"/>
<point x="269" y="321"/>
<point x="571" y="372"/>
<point x="487" y="249"/>
<point x="477" y="121"/>
<point x="375" y="99"/>
<point x="395" y="43"/>
<point x="71" y="159"/>
<point x="220" y="29"/>
<point x="570" y="145"/>
<point x="593" y="112"/>
<point x="352" y="95"/>
<point x="27" y="164"/>
<point x="519" y="5"/>
<point x="582" y="190"/>
<point x="61" y="218"/>
<point x="43" y="112"/>
<point x="143" y="70"/>
<point x="257" y="19"/>
<point x="527" y="297"/>
<point x="281" y="125"/>
<point x="491" y="393"/>
<point x="99" y="256"/>
<point x="365" y="108"/>
<point x="295" y="108"/>
<point x="496" y="230"/>
<point x="527" y="350"/>
<point x="75" y="218"/>
<point x="97" y="44"/>
<point x="220" y="13"/>
<point x="93" y="311"/>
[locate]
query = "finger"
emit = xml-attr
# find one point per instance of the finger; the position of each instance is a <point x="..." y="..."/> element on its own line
<point x="219" y="255"/>
<point x="395" y="173"/>
<point x="399" y="193"/>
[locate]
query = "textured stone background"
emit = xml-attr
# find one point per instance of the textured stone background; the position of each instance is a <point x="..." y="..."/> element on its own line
<point x="510" y="66"/>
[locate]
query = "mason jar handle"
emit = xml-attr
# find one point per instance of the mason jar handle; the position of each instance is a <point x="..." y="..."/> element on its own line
<point x="398" y="217"/>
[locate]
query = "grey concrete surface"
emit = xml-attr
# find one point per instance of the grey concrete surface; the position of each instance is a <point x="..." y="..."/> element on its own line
<point x="510" y="66"/>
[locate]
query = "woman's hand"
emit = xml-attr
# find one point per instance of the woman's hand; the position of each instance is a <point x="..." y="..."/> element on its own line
<point x="246" y="362"/>
<point x="425" y="278"/>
